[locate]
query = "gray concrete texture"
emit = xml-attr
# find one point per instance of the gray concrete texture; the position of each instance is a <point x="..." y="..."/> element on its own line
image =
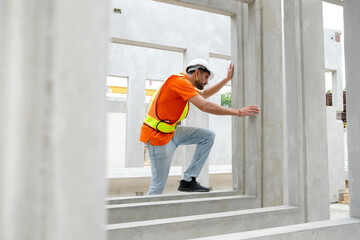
<point x="53" y="127"/>
<point x="333" y="230"/>
<point x="335" y="127"/>
<point x="54" y="108"/>
<point x="352" y="37"/>
<point x="126" y="60"/>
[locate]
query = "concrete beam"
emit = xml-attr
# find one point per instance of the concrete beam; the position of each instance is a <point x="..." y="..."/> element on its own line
<point x="159" y="198"/>
<point x="228" y="8"/>
<point x="348" y="228"/>
<point x="206" y="224"/>
<point x="336" y="2"/>
<point x="246" y="1"/>
<point x="352" y="38"/>
<point x="132" y="212"/>
<point x="146" y="44"/>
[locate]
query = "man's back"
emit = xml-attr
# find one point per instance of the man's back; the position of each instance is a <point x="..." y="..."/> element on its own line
<point x="170" y="104"/>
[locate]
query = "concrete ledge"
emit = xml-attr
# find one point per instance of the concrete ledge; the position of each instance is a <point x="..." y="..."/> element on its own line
<point x="146" y="171"/>
<point x="178" y="196"/>
<point x="136" y="181"/>
<point x="206" y="224"/>
<point x="138" y="172"/>
<point x="346" y="228"/>
<point x="131" y="212"/>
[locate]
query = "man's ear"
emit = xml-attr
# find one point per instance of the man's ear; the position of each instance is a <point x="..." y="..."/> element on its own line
<point x="197" y="73"/>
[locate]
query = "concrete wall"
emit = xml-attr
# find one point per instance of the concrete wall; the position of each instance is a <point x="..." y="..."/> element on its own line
<point x="259" y="81"/>
<point x="333" y="63"/>
<point x="53" y="124"/>
<point x="272" y="104"/>
<point x="352" y="58"/>
<point x="52" y="119"/>
<point x="335" y="127"/>
<point x="314" y="111"/>
<point x="137" y="30"/>
<point x="335" y="154"/>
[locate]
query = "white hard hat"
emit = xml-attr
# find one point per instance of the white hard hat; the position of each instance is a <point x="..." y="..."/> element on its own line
<point x="200" y="63"/>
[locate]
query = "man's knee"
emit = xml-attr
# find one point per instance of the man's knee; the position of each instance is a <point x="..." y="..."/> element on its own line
<point x="211" y="135"/>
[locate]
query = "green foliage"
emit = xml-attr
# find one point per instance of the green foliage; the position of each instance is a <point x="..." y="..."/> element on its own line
<point x="226" y="99"/>
<point x="328" y="91"/>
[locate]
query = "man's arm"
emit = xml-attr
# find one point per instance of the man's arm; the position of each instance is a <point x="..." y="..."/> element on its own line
<point x="214" y="89"/>
<point x="213" y="108"/>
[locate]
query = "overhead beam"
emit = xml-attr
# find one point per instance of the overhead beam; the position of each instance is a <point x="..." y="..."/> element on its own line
<point x="229" y="9"/>
<point x="336" y="2"/>
<point x="246" y="1"/>
<point x="146" y="44"/>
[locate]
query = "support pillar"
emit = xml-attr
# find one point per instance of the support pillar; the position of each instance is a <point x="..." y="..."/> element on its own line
<point x="53" y="117"/>
<point x="252" y="95"/>
<point x="134" y="153"/>
<point x="79" y="115"/>
<point x="24" y="76"/>
<point x="272" y="104"/>
<point x="197" y="118"/>
<point x="314" y="112"/>
<point x="293" y="115"/>
<point x="2" y="113"/>
<point x="352" y="59"/>
<point x="237" y="58"/>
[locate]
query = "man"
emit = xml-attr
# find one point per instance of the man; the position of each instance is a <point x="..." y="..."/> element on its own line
<point x="169" y="105"/>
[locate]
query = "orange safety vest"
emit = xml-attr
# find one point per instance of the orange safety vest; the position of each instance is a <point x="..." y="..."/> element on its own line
<point x="153" y="121"/>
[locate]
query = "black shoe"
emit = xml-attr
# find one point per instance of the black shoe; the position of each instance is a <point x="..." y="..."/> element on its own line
<point x="192" y="186"/>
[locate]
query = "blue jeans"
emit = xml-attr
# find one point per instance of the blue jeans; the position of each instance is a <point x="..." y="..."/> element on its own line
<point x="161" y="156"/>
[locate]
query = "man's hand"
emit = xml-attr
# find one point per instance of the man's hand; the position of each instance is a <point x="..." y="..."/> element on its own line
<point x="250" y="110"/>
<point x="207" y="92"/>
<point x="230" y="72"/>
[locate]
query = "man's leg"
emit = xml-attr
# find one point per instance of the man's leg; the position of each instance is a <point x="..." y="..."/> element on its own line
<point x="160" y="161"/>
<point x="204" y="139"/>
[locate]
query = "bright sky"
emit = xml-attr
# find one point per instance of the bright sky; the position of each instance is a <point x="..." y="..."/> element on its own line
<point x="333" y="16"/>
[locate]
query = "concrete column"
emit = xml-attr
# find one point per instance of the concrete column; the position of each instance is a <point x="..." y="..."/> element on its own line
<point x="272" y="104"/>
<point x="352" y="59"/>
<point x="197" y="118"/>
<point x="293" y="115"/>
<point x="79" y="119"/>
<point x="53" y="173"/>
<point x="2" y="113"/>
<point x="333" y="63"/>
<point x="335" y="127"/>
<point x="24" y="78"/>
<point x="134" y="153"/>
<point x="314" y="112"/>
<point x="337" y="95"/>
<point x="335" y="154"/>
<point x="252" y="95"/>
<point x="237" y="57"/>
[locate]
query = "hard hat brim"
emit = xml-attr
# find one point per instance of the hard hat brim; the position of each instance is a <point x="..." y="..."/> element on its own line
<point x="193" y="68"/>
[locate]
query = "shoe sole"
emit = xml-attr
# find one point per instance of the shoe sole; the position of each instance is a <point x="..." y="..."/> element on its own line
<point x="192" y="190"/>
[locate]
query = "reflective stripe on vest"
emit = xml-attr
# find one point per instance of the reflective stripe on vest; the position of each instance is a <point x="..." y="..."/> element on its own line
<point x="160" y="125"/>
